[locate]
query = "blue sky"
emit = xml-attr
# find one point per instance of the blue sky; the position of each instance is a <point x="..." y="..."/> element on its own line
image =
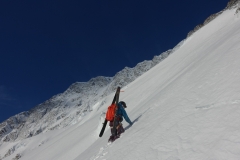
<point x="45" y="46"/>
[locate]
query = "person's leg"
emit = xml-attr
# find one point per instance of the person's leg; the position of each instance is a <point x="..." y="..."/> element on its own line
<point x="111" y="138"/>
<point x="116" y="135"/>
<point x="120" y="129"/>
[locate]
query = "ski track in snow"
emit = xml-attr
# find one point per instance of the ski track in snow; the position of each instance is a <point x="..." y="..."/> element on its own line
<point x="102" y="152"/>
<point x="218" y="104"/>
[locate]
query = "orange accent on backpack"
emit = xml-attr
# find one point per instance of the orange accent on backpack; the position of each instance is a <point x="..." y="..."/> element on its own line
<point x="111" y="112"/>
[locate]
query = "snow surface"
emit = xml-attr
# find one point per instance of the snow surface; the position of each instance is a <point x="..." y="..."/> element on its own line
<point x="186" y="107"/>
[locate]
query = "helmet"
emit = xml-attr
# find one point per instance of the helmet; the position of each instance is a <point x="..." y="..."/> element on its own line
<point x="123" y="103"/>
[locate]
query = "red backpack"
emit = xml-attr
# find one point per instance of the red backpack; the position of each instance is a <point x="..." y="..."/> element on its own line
<point x="111" y="112"/>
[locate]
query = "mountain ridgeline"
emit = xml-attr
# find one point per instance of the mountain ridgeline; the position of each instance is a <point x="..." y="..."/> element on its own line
<point x="72" y="105"/>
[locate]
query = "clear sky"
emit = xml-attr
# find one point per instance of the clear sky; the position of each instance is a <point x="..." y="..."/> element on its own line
<point x="45" y="46"/>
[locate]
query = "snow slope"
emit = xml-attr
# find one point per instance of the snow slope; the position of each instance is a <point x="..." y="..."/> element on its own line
<point x="186" y="107"/>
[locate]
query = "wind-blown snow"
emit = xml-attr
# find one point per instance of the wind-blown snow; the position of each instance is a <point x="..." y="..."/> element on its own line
<point x="186" y="107"/>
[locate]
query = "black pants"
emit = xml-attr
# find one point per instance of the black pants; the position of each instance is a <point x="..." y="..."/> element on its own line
<point x="119" y="127"/>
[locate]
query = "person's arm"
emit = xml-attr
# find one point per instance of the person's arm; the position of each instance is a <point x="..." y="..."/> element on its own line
<point x="126" y="116"/>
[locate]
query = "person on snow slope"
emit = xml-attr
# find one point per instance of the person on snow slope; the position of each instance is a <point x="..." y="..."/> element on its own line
<point x="121" y="113"/>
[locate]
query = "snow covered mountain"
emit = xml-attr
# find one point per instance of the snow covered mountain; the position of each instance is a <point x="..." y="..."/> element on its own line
<point x="186" y="107"/>
<point x="71" y="106"/>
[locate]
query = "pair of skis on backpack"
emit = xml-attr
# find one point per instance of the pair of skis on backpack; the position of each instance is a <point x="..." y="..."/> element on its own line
<point x="111" y="115"/>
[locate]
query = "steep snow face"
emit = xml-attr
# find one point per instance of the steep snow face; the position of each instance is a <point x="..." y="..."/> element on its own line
<point x="73" y="105"/>
<point x="186" y="107"/>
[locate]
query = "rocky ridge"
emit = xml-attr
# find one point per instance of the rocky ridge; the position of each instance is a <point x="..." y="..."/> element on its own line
<point x="230" y="5"/>
<point x="71" y="106"/>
